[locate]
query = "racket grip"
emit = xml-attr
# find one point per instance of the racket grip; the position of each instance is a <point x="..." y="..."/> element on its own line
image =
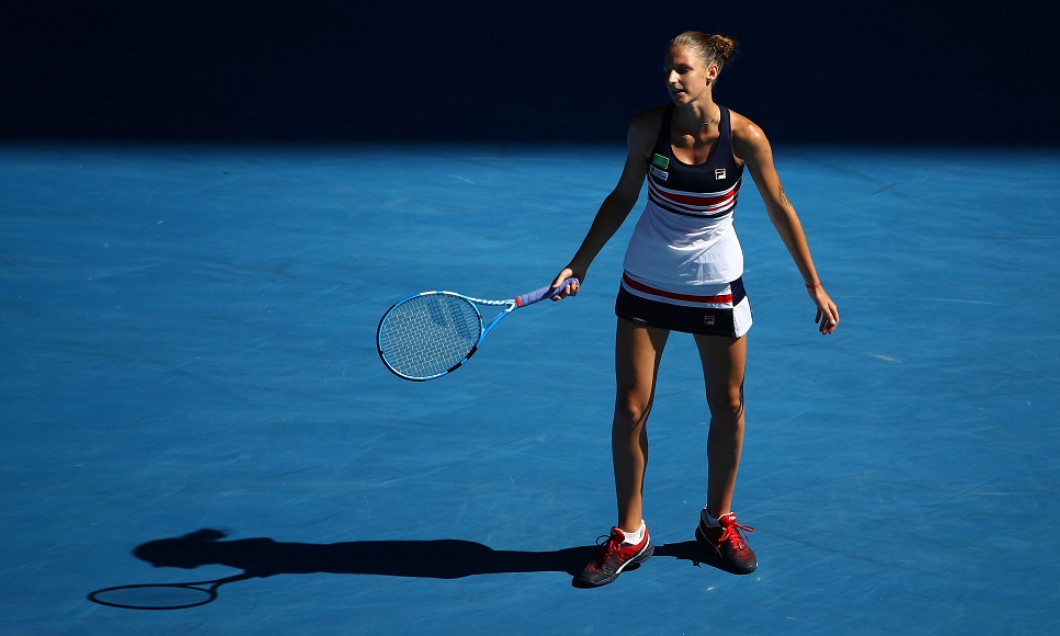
<point x="530" y="298"/>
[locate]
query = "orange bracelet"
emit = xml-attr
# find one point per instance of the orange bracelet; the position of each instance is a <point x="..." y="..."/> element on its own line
<point x="809" y="286"/>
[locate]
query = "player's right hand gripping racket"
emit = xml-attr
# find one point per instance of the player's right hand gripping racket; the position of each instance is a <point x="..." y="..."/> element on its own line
<point x="433" y="333"/>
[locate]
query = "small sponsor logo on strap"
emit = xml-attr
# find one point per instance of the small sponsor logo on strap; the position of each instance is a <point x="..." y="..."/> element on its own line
<point x="661" y="175"/>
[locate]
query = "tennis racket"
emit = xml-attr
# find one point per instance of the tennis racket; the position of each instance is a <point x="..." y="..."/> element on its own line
<point x="163" y="596"/>
<point x="433" y="333"/>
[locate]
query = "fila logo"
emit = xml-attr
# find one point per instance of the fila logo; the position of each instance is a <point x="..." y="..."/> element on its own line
<point x="708" y="321"/>
<point x="719" y="174"/>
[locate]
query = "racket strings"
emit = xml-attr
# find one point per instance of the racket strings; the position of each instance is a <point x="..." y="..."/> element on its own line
<point x="426" y="335"/>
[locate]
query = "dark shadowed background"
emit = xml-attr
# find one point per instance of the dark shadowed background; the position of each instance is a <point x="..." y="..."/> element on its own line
<point x="320" y="70"/>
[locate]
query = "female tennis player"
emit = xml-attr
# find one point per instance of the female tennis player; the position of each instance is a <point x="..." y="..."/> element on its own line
<point x="683" y="272"/>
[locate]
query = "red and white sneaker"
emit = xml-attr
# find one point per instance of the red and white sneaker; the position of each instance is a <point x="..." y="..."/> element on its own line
<point x="615" y="557"/>
<point x="725" y="545"/>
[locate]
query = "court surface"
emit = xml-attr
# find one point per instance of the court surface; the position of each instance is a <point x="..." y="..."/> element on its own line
<point x="189" y="350"/>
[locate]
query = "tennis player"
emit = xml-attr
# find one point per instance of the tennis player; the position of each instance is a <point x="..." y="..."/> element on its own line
<point x="683" y="272"/>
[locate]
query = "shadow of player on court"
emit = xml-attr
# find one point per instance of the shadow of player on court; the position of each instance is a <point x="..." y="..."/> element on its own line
<point x="437" y="559"/>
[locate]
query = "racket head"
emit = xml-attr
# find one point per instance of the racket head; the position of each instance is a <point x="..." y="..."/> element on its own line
<point x="428" y="335"/>
<point x="156" y="596"/>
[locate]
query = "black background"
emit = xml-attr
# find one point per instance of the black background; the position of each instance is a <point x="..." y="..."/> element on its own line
<point x="333" y="71"/>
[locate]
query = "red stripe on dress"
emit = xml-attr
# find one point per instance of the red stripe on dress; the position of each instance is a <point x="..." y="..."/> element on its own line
<point x="641" y="287"/>
<point x="704" y="200"/>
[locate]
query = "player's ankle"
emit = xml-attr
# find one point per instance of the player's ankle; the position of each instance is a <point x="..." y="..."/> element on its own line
<point x="634" y="536"/>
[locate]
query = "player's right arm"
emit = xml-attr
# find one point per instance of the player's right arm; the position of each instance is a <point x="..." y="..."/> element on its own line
<point x="640" y="140"/>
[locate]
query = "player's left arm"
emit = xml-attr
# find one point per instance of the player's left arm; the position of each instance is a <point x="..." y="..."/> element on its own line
<point x="751" y="146"/>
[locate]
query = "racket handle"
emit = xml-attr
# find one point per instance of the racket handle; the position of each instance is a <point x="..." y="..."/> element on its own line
<point x="530" y="298"/>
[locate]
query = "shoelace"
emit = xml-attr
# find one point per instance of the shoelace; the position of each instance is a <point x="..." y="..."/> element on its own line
<point x="735" y="534"/>
<point x="610" y="543"/>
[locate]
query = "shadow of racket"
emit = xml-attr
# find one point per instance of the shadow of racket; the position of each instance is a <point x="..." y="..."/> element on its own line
<point x="163" y="596"/>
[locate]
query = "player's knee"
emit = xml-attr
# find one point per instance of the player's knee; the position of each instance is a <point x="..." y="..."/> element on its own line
<point x="631" y="412"/>
<point x="726" y="403"/>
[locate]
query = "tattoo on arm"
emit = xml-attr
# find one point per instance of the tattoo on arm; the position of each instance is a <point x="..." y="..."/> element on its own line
<point x="784" y="197"/>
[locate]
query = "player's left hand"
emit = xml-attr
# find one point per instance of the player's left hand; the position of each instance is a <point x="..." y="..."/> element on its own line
<point x="827" y="313"/>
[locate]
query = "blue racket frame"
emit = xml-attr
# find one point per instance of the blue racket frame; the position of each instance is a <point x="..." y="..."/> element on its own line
<point x="386" y="334"/>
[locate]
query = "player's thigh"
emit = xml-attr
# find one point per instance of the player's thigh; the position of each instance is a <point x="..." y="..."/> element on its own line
<point x="638" y="352"/>
<point x="724" y="363"/>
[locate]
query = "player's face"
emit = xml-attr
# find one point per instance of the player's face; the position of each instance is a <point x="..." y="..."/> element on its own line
<point x="688" y="75"/>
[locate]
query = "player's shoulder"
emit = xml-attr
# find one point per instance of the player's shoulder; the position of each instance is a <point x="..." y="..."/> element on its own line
<point x="644" y="129"/>
<point x="744" y="129"/>
<point x="748" y="138"/>
<point x="650" y="116"/>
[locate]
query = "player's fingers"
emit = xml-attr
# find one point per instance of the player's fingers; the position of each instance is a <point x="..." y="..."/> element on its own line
<point x="828" y="318"/>
<point x="563" y="275"/>
<point x="570" y="289"/>
<point x="568" y="282"/>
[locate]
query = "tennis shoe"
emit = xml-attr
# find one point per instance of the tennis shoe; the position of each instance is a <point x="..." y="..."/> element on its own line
<point x="615" y="557"/>
<point x="725" y="544"/>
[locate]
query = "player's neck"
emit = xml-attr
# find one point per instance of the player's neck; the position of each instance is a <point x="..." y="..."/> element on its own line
<point x="696" y="116"/>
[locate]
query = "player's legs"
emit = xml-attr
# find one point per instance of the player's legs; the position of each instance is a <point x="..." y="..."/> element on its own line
<point x="724" y="363"/>
<point x="638" y="351"/>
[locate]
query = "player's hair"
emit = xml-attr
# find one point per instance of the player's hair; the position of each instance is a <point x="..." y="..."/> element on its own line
<point x="713" y="48"/>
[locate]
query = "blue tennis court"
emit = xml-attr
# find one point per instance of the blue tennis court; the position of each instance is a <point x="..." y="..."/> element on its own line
<point x="205" y="208"/>
<point x="189" y="356"/>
